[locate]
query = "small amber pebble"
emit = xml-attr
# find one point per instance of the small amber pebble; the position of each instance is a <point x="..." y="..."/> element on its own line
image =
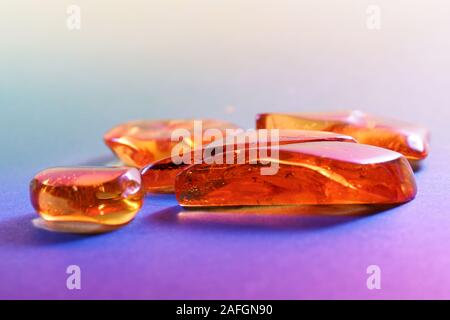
<point x="159" y="177"/>
<point x="308" y="173"/>
<point x="108" y="196"/>
<point x="139" y="143"/>
<point x="408" y="139"/>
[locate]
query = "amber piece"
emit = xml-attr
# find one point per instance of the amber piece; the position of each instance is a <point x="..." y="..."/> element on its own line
<point x="308" y="173"/>
<point x="160" y="176"/>
<point x="82" y="196"/>
<point x="139" y="143"/>
<point x="408" y="139"/>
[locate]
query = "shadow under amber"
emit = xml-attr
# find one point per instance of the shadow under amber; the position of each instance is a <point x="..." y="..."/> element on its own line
<point x="270" y="217"/>
<point x="417" y="165"/>
<point x="21" y="232"/>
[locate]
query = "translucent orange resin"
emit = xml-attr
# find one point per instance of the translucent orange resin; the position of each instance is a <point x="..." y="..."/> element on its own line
<point x="160" y="176"/>
<point x="100" y="195"/>
<point x="309" y="173"/>
<point x="408" y="139"/>
<point x="139" y="143"/>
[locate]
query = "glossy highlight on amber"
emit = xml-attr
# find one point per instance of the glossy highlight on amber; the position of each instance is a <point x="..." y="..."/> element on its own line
<point x="159" y="177"/>
<point x="309" y="173"/>
<point x="409" y="139"/>
<point x="108" y="196"/>
<point x="139" y="143"/>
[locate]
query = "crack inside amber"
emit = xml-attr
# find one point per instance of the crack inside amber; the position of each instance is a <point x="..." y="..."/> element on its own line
<point x="309" y="173"/>
<point x="160" y="176"/>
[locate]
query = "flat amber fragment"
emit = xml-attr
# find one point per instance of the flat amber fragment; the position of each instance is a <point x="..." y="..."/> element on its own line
<point x="159" y="177"/>
<point x="139" y="143"/>
<point x="84" y="198"/>
<point x="308" y="173"/>
<point x="408" y="139"/>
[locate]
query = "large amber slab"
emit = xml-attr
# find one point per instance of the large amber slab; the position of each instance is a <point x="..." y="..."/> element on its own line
<point x="89" y="198"/>
<point x="308" y="173"/>
<point x="159" y="177"/>
<point x="408" y="139"/>
<point x="139" y="143"/>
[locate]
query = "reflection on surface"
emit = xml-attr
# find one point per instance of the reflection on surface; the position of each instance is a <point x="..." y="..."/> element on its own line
<point x="296" y="210"/>
<point x="276" y="217"/>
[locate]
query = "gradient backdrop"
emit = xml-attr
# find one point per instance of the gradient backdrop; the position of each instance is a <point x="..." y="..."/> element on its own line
<point x="61" y="89"/>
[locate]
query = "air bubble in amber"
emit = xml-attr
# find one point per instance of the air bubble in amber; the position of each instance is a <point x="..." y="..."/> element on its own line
<point x="409" y="139"/>
<point x="105" y="196"/>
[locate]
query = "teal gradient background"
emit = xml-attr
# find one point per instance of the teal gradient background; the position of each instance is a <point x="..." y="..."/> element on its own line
<point x="60" y="90"/>
<point x="166" y="59"/>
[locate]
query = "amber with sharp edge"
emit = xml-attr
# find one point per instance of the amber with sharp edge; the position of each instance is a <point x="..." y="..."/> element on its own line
<point x="139" y="143"/>
<point x="408" y="139"/>
<point x="106" y="196"/>
<point x="309" y="173"/>
<point x="159" y="177"/>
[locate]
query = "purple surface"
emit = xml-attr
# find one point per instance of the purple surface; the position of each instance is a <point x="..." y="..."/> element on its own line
<point x="61" y="90"/>
<point x="170" y="253"/>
